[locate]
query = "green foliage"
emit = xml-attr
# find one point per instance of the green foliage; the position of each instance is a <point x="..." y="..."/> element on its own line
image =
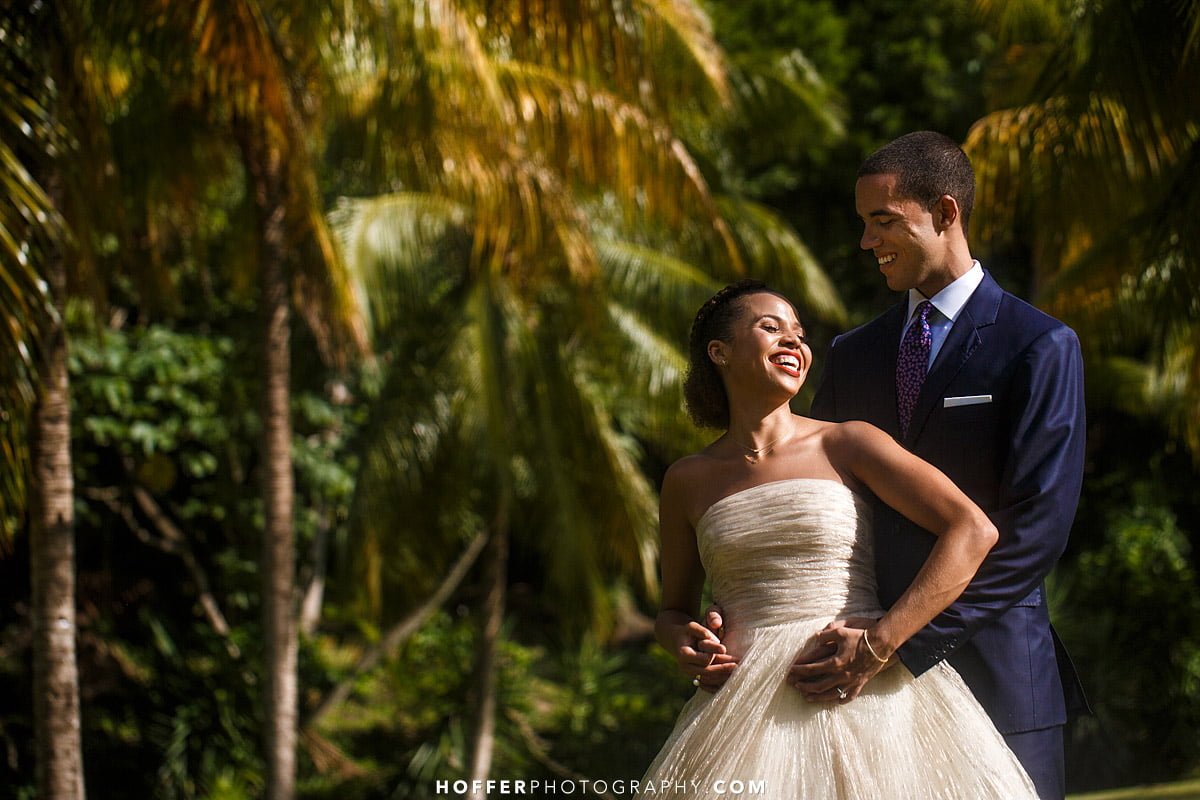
<point x="790" y="61"/>
<point x="1087" y="169"/>
<point x="172" y="705"/>
<point x="533" y="225"/>
<point x="153" y="392"/>
<point x="30" y="231"/>
<point x="874" y="70"/>
<point x="618" y="705"/>
<point x="1143" y="619"/>
<point x="1091" y="169"/>
<point x="153" y="410"/>
<point x="593" y="711"/>
<point x="1127" y="603"/>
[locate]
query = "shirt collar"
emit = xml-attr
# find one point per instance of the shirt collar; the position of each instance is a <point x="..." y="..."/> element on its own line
<point x="950" y="300"/>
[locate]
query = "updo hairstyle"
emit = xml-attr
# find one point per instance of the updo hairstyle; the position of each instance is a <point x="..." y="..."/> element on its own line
<point x="703" y="391"/>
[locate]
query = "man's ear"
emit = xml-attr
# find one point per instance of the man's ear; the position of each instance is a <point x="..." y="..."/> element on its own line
<point x="945" y="212"/>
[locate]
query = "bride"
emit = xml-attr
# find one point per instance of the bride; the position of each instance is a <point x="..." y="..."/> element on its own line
<point x="772" y="512"/>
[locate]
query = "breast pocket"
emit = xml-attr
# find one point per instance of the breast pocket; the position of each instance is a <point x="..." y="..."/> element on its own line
<point x="967" y="438"/>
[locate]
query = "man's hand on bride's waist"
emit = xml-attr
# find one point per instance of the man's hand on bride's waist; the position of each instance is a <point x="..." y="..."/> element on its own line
<point x="837" y="662"/>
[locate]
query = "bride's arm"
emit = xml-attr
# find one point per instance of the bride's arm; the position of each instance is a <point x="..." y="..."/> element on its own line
<point x="697" y="650"/>
<point x="922" y="493"/>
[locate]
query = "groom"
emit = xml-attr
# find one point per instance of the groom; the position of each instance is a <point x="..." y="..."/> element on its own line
<point x="989" y="390"/>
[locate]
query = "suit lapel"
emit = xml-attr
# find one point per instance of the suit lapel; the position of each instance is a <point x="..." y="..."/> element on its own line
<point x="879" y="358"/>
<point x="961" y="343"/>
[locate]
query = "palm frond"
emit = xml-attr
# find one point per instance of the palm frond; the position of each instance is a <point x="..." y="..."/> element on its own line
<point x="660" y="367"/>
<point x="662" y="287"/>
<point x="461" y="36"/>
<point x="1161" y="240"/>
<point x="1192" y="13"/>
<point x="30" y="225"/>
<point x="651" y="371"/>
<point x="647" y="51"/>
<point x="525" y="218"/>
<point x="603" y="141"/>
<point x="418" y="447"/>
<point x="1141" y="363"/>
<point x="239" y="62"/>
<point x="1176" y="387"/>
<point x="600" y="505"/>
<point x="399" y="249"/>
<point x="461" y="125"/>
<point x="777" y="254"/>
<point x="1065" y="171"/>
<point x="1113" y="119"/>
<point x="1169" y="391"/>
<point x="782" y="95"/>
<point x="1018" y="22"/>
<point x="532" y="174"/>
<point x="628" y="540"/>
<point x="685" y="22"/>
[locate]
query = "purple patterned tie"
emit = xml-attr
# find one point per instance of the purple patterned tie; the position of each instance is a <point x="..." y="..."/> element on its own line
<point x="912" y="363"/>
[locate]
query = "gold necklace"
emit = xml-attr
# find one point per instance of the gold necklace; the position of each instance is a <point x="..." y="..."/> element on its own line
<point x="753" y="454"/>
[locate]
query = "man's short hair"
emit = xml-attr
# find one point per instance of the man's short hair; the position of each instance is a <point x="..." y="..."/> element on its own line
<point x="927" y="165"/>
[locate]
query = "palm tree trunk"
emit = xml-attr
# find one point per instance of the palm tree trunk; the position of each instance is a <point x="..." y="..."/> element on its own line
<point x="484" y="740"/>
<point x="265" y="165"/>
<point x="52" y="565"/>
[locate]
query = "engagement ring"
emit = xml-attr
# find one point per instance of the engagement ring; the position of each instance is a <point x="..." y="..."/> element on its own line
<point x="841" y="692"/>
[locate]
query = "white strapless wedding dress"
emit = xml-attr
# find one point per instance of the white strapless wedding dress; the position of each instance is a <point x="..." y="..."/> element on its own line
<point x="786" y="558"/>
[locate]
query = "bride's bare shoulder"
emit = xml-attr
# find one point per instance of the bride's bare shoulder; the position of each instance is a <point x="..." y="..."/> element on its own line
<point x="690" y="469"/>
<point x="852" y="433"/>
<point x="848" y="445"/>
<point x="691" y="484"/>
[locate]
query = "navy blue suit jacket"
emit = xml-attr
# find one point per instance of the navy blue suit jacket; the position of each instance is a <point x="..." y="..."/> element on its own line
<point x="1019" y="456"/>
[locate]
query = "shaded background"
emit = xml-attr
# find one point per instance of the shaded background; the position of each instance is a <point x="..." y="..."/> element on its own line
<point x="371" y="319"/>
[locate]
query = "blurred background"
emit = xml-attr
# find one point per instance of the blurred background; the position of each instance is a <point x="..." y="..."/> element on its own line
<point x="343" y="343"/>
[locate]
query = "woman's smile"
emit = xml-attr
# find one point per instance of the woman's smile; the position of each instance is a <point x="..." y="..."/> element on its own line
<point x="788" y="362"/>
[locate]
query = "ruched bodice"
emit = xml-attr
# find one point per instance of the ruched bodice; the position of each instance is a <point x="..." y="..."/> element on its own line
<point x="785" y="559"/>
<point x="789" y="550"/>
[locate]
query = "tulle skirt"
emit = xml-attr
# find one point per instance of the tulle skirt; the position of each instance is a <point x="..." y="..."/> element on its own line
<point x="903" y="737"/>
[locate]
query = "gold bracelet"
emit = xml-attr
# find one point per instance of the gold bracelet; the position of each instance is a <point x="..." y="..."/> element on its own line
<point x="871" y="650"/>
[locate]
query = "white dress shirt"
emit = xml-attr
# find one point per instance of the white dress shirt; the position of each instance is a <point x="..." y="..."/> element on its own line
<point x="947" y="305"/>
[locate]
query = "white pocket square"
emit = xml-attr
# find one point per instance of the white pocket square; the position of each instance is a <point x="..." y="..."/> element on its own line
<point x="968" y="400"/>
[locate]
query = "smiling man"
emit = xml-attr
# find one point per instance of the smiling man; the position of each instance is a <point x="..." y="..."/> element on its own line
<point x="990" y="390"/>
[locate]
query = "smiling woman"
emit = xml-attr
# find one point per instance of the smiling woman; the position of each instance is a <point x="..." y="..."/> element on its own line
<point x="773" y="512"/>
<point x="714" y="330"/>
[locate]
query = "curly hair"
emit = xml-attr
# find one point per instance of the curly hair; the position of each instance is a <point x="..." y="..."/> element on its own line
<point x="703" y="390"/>
<point x="927" y="165"/>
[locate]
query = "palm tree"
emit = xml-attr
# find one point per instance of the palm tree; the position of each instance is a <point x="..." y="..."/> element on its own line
<point x="551" y="225"/>
<point x="255" y="69"/>
<point x="55" y="202"/>
<point x="29" y="224"/>
<point x="1094" y="155"/>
